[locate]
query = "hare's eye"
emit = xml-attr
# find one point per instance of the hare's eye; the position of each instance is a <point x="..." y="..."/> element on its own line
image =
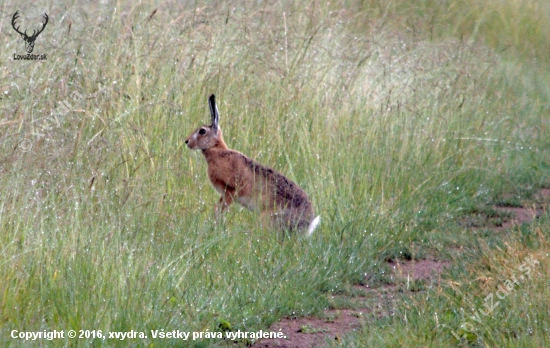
<point x="202" y="131"/>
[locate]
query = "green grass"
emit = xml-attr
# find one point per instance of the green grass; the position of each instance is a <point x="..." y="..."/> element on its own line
<point x="398" y="119"/>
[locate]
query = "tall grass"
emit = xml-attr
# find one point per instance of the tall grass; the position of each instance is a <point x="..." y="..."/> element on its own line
<point x="394" y="118"/>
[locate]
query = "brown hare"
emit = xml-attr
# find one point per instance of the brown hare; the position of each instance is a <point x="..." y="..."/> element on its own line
<point x="256" y="187"/>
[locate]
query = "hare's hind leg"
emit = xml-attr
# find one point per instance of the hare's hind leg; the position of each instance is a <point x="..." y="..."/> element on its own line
<point x="289" y="220"/>
<point x="278" y="219"/>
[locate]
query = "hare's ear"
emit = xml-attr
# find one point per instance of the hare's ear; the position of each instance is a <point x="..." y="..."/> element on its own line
<point x="214" y="113"/>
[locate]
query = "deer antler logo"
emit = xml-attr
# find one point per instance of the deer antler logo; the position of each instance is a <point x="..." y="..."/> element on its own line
<point x="29" y="40"/>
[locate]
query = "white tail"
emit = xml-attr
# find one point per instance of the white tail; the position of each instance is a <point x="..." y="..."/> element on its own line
<point x="313" y="225"/>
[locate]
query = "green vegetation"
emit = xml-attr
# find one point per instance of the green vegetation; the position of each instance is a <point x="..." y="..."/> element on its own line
<point x="399" y="119"/>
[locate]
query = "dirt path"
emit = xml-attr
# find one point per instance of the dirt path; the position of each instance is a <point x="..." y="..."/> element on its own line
<point x="314" y="332"/>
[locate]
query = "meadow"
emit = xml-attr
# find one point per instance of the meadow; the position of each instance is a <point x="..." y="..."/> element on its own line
<point x="400" y="119"/>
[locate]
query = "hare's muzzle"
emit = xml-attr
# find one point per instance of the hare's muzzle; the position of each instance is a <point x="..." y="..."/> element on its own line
<point x="190" y="143"/>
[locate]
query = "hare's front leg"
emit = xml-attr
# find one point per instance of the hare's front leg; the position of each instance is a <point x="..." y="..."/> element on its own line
<point x="223" y="204"/>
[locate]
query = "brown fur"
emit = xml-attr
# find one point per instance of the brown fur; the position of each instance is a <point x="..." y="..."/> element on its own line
<point x="239" y="178"/>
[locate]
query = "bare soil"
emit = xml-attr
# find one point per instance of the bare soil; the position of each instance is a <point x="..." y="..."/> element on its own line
<point x="313" y="332"/>
<point x="527" y="212"/>
<point x="419" y="269"/>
